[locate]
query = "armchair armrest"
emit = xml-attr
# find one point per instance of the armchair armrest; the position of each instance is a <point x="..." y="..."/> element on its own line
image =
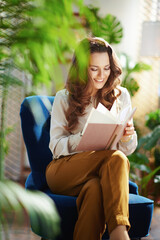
<point x="133" y="188"/>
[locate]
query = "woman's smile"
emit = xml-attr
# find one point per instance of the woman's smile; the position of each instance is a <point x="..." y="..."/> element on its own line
<point x="99" y="80"/>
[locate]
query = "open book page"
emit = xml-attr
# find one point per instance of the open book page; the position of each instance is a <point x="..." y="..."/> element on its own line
<point x="118" y="133"/>
<point x="100" y="115"/>
<point x="103" y="129"/>
<point x="124" y="113"/>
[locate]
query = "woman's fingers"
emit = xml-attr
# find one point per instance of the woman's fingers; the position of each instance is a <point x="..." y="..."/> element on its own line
<point x="129" y="130"/>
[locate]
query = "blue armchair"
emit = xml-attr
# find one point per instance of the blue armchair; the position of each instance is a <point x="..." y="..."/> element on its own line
<point x="35" y="122"/>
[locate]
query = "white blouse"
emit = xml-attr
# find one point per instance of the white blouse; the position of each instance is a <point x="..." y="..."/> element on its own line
<point x="63" y="143"/>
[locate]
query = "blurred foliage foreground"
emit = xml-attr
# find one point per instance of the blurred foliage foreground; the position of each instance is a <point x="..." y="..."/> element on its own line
<point x="14" y="200"/>
<point x="35" y="37"/>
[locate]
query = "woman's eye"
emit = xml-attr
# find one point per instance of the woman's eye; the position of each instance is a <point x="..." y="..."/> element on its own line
<point x="106" y="69"/>
<point x="93" y="69"/>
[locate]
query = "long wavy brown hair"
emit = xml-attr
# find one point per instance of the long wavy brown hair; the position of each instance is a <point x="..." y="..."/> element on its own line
<point x="77" y="81"/>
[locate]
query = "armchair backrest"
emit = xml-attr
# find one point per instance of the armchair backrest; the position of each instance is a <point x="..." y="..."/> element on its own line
<point x="35" y="123"/>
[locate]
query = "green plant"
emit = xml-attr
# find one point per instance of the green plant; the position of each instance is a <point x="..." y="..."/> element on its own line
<point x="157" y="176"/>
<point x="157" y="156"/>
<point x="35" y="37"/>
<point x="13" y="198"/>
<point x="153" y="123"/>
<point x="108" y="27"/>
<point x="153" y="119"/>
<point x="129" y="68"/>
<point x="139" y="159"/>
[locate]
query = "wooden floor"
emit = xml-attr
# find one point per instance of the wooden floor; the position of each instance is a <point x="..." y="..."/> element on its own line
<point x="25" y="233"/>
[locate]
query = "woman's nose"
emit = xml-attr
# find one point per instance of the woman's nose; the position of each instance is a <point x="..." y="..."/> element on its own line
<point x="100" y="73"/>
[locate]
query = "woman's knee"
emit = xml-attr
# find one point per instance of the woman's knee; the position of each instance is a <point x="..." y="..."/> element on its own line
<point x="120" y="158"/>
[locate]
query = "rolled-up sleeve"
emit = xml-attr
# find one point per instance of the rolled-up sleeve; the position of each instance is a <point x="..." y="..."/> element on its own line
<point x="61" y="141"/>
<point x="127" y="147"/>
<point x="130" y="146"/>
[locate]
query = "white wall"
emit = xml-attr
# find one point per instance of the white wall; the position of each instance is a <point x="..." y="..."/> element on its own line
<point x="127" y="11"/>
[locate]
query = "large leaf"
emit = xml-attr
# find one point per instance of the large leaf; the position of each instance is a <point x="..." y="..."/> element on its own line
<point x="140" y="66"/>
<point x="111" y="29"/>
<point x="38" y="205"/>
<point x="153" y="119"/>
<point x="147" y="178"/>
<point x="138" y="158"/>
<point x="142" y="141"/>
<point x="131" y="84"/>
<point x="129" y="68"/>
<point x="139" y="161"/>
<point x="150" y="140"/>
<point x="141" y="167"/>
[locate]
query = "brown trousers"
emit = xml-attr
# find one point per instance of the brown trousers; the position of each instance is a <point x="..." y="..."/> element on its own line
<point x="100" y="180"/>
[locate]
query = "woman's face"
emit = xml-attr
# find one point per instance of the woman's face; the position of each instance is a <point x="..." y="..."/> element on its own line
<point x="98" y="70"/>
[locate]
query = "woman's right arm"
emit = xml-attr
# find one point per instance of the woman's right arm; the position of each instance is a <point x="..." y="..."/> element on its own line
<point x="61" y="141"/>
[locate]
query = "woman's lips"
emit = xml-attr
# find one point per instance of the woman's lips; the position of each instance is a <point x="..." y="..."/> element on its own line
<point x="99" y="81"/>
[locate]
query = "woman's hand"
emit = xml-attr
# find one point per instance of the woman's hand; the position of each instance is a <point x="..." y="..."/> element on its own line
<point x="128" y="132"/>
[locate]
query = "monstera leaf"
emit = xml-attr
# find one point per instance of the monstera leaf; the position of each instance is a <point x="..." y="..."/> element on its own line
<point x="111" y="29"/>
<point x="108" y="27"/>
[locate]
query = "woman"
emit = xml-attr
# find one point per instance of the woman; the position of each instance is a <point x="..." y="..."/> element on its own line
<point x="99" y="179"/>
